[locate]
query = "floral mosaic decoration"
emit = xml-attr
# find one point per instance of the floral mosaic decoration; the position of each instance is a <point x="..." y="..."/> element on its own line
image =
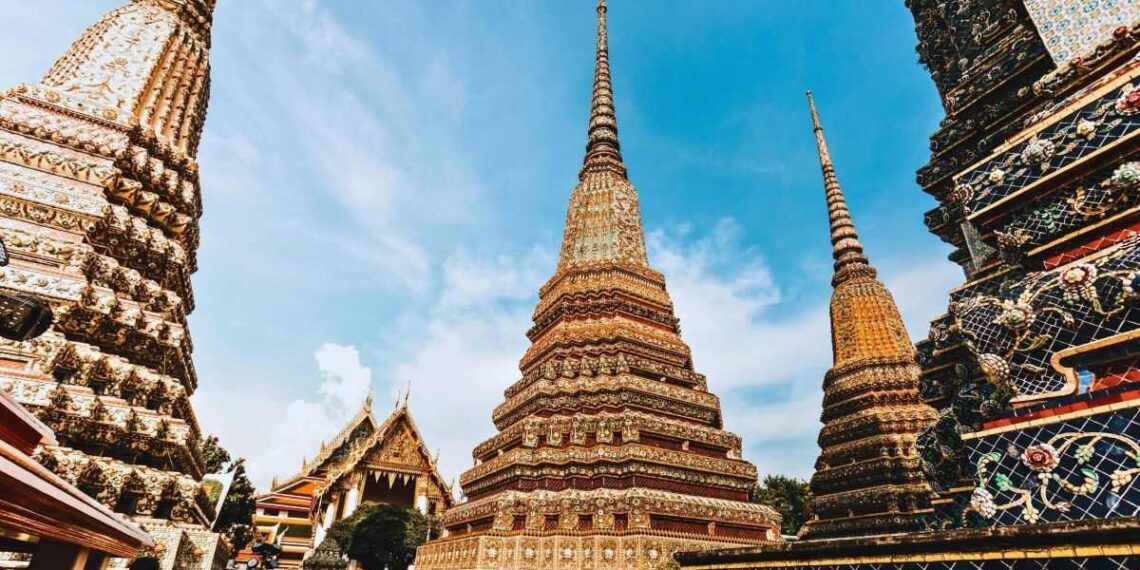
<point x="1048" y="486"/>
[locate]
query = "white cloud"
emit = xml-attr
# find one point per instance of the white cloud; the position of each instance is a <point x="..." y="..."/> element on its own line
<point x="768" y="370"/>
<point x="722" y="291"/>
<point x="325" y="40"/>
<point x="469" y="281"/>
<point x="344" y="149"/>
<point x="468" y="350"/>
<point x="274" y="434"/>
<point x="344" y="380"/>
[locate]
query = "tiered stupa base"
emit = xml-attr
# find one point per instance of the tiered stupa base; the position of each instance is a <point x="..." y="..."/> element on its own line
<point x="611" y="529"/>
<point x="586" y="551"/>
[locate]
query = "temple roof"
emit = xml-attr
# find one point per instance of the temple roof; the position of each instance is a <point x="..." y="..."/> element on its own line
<point x="362" y="422"/>
<point x="388" y="429"/>
<point x="300" y="485"/>
<point x="37" y="501"/>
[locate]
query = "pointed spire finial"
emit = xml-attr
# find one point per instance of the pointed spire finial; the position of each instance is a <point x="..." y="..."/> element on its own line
<point x="603" y="152"/>
<point x="407" y="394"/>
<point x="845" y="246"/>
<point x="368" y="399"/>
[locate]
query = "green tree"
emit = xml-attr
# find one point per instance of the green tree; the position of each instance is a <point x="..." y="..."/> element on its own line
<point x="213" y="489"/>
<point x="422" y="529"/>
<point x="789" y="496"/>
<point x="341" y="531"/>
<point x="387" y="536"/>
<point x="214" y="456"/>
<point x="235" y="517"/>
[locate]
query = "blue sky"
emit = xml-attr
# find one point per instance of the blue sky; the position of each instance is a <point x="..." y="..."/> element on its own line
<point x="385" y="184"/>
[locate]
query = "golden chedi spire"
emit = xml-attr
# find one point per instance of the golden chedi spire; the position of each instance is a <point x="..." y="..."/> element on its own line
<point x="610" y="450"/>
<point x="868" y="479"/>
<point x="603" y="151"/>
<point x="845" y="246"/>
<point x="603" y="222"/>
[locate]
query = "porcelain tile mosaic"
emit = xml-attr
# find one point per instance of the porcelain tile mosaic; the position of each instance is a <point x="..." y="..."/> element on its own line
<point x="1073" y="28"/>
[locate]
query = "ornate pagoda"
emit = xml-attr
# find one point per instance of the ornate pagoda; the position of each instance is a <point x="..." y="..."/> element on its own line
<point x="610" y="451"/>
<point x="100" y="200"/>
<point x="868" y="479"/>
<point x="1036" y="168"/>
<point x="1035" y="456"/>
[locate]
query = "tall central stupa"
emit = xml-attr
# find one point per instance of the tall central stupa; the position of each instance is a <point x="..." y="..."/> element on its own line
<point x="610" y="451"/>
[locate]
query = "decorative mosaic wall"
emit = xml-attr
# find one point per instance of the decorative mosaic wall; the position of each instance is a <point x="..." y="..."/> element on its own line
<point x="1106" y="121"/>
<point x="1017" y="328"/>
<point x="1082" y="468"/>
<point x="1072" y="28"/>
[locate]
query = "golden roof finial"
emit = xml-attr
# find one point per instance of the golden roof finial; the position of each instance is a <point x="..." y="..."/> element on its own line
<point x="602" y="148"/>
<point x="845" y="246"/>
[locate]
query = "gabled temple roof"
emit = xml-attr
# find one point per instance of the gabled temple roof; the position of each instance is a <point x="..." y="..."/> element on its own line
<point x="387" y="429"/>
<point x="363" y="420"/>
<point x="299" y="486"/>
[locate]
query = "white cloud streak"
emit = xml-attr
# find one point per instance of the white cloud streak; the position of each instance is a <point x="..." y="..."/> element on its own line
<point x="768" y="371"/>
<point x="273" y="434"/>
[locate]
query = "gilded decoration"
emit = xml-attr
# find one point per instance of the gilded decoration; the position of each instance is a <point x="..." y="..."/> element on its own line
<point x="610" y="452"/>
<point x="1071" y="29"/>
<point x="868" y="477"/>
<point x="535" y="431"/>
<point x="1015" y="332"/>
<point x="99" y="191"/>
<point x="393" y="448"/>
<point x="561" y="393"/>
<point x="1044" y="175"/>
<point x="1100" y="123"/>
<point x="369" y="461"/>
<point x="1085" y="467"/>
